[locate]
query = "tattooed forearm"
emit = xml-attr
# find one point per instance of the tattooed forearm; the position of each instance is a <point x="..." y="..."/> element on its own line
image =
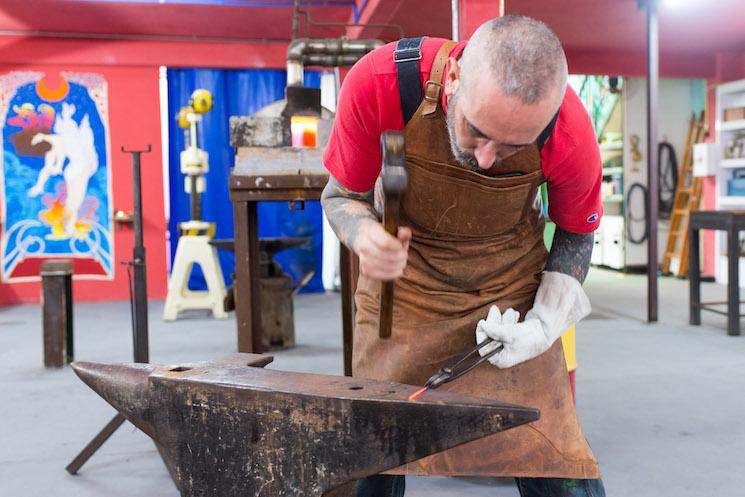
<point x="570" y="254"/>
<point x="346" y="210"/>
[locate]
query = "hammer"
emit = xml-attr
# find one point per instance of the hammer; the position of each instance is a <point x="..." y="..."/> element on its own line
<point x="394" y="181"/>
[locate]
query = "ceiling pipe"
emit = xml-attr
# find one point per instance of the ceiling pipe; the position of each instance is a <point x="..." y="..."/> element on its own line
<point x="327" y="52"/>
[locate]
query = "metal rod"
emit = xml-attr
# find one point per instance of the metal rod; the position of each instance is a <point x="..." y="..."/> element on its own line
<point x="310" y="22"/>
<point x="455" y="19"/>
<point x="652" y="171"/>
<point x="95" y="444"/>
<point x="195" y="199"/>
<point x="295" y="19"/>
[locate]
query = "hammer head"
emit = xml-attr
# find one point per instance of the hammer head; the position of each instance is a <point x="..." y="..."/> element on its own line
<point x="394" y="163"/>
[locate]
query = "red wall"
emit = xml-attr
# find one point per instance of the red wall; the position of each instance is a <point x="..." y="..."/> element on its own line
<point x="131" y="70"/>
<point x="134" y="121"/>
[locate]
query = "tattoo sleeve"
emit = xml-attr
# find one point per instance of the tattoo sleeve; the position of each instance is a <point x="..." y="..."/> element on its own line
<point x="570" y="254"/>
<point x="346" y="210"/>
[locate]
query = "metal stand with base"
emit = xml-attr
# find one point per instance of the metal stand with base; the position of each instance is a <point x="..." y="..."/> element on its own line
<point x="138" y="302"/>
<point x="195" y="235"/>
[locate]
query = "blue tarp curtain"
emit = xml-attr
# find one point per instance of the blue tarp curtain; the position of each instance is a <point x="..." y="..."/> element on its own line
<point x="236" y="92"/>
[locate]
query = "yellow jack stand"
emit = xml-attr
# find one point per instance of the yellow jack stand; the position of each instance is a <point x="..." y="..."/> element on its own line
<point x="194" y="248"/>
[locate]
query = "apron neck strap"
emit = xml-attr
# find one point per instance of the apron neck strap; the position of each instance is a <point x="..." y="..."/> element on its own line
<point x="433" y="86"/>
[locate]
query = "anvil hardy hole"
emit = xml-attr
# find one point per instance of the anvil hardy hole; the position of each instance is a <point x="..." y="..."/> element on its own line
<point x="355" y="388"/>
<point x="179" y="369"/>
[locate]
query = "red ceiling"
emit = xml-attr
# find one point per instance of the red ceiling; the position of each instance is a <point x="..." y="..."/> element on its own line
<point x="695" y="30"/>
<point x="693" y="26"/>
<point x="207" y="20"/>
<point x="169" y="19"/>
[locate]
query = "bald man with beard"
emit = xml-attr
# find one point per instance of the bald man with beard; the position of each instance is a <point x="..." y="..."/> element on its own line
<point x="486" y="122"/>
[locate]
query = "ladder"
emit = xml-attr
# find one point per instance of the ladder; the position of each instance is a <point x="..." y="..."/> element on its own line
<point x="687" y="198"/>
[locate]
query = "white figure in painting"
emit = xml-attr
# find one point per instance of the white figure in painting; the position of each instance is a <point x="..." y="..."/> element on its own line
<point x="72" y="143"/>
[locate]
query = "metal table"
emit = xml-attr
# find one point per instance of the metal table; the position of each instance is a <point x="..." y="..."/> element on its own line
<point x="732" y="222"/>
<point x="246" y="189"/>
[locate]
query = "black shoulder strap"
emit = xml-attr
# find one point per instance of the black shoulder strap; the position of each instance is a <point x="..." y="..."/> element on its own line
<point x="407" y="56"/>
<point x="547" y="131"/>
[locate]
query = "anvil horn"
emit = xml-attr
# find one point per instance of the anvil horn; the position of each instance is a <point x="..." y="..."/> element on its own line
<point x="232" y="430"/>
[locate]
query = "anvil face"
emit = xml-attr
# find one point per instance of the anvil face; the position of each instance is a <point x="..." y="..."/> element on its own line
<point x="230" y="428"/>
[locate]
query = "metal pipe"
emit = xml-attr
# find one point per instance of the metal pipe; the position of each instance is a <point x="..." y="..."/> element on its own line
<point x="330" y="60"/>
<point x="653" y="50"/>
<point x="328" y="52"/>
<point x="455" y="19"/>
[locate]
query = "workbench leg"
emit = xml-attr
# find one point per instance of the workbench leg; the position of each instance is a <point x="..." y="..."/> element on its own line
<point x="694" y="277"/>
<point x="733" y="282"/>
<point x="247" y="297"/>
<point x="347" y="305"/>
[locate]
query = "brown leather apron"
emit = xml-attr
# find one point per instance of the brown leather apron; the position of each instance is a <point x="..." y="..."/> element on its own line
<point x="477" y="241"/>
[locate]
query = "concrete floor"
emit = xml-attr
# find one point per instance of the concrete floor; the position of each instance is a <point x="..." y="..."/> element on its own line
<point x="661" y="405"/>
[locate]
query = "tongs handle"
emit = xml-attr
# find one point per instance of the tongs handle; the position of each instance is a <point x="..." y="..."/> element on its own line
<point x="457" y="369"/>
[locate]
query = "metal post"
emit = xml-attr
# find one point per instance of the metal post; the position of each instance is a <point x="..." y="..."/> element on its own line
<point x="140" y="332"/>
<point x="733" y="279"/>
<point x="455" y="19"/>
<point x="652" y="171"/>
<point x="694" y="274"/>
<point x="56" y="290"/>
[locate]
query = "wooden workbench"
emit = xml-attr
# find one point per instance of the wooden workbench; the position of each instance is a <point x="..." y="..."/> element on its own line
<point x="247" y="187"/>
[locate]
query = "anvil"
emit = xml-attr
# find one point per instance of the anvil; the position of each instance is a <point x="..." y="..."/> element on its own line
<point x="231" y="428"/>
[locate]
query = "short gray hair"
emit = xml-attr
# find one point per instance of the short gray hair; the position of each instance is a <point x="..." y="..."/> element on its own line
<point x="524" y="55"/>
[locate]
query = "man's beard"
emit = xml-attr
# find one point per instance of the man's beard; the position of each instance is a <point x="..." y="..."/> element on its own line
<point x="465" y="159"/>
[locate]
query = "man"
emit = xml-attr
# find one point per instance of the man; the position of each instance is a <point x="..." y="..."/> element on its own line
<point x="496" y="120"/>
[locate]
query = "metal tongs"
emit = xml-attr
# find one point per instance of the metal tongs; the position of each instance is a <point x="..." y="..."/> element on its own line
<point x="457" y="369"/>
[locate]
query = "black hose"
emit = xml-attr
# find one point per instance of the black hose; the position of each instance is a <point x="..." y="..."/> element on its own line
<point x="630" y="217"/>
<point x="668" y="179"/>
<point x="668" y="175"/>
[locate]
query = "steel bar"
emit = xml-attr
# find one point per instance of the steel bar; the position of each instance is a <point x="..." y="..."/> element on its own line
<point x="229" y="428"/>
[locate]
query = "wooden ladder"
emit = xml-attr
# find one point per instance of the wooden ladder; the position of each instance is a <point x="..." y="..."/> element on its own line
<point x="687" y="198"/>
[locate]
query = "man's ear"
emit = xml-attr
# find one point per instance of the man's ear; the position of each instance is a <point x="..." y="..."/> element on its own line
<point x="452" y="76"/>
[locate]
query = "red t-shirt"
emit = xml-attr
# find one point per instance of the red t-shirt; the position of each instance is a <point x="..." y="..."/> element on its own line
<point x="369" y="103"/>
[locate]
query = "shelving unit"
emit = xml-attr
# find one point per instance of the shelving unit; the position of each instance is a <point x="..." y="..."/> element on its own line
<point x="732" y="163"/>
<point x="620" y="241"/>
<point x="729" y="95"/>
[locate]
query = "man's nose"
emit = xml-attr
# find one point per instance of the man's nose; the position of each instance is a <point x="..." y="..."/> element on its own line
<point x="486" y="154"/>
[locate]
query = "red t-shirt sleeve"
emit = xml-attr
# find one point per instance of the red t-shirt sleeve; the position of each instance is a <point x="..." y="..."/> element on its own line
<point x="353" y="155"/>
<point x="573" y="169"/>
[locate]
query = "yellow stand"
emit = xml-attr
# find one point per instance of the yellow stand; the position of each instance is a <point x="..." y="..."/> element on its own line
<point x="568" y="340"/>
<point x="195" y="249"/>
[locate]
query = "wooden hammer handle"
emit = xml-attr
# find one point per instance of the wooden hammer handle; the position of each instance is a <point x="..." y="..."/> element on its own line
<point x="390" y="223"/>
<point x="394" y="182"/>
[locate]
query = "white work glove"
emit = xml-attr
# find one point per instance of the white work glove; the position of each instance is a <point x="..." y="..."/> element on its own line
<point x="559" y="303"/>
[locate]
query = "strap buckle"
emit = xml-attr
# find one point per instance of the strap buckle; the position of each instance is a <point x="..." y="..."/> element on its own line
<point x="432" y="91"/>
<point x="407" y="54"/>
